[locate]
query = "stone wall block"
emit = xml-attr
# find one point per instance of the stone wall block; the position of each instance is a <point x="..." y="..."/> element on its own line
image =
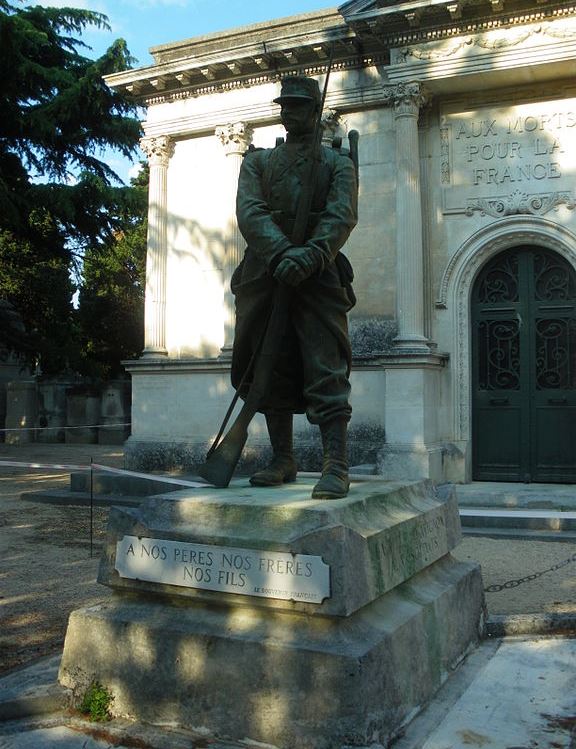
<point x="51" y="416"/>
<point x="114" y="413"/>
<point x="83" y="414"/>
<point x="21" y="404"/>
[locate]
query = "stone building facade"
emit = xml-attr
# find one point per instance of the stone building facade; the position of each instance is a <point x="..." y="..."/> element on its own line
<point x="465" y="251"/>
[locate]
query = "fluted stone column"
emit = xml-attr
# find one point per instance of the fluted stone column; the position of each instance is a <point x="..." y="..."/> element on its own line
<point x="235" y="137"/>
<point x="408" y="98"/>
<point x="158" y="150"/>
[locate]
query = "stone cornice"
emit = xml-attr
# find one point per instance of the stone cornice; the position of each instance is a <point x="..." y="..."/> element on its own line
<point x="399" y="360"/>
<point x="175" y="366"/>
<point x="275" y="34"/>
<point x="245" y="57"/>
<point x="399" y="24"/>
<point x="376" y="362"/>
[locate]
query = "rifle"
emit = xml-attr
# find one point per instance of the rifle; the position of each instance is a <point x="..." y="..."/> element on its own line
<point x="224" y="454"/>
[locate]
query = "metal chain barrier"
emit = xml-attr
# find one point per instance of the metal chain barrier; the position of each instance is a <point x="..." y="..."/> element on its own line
<point x="64" y="428"/>
<point x="534" y="576"/>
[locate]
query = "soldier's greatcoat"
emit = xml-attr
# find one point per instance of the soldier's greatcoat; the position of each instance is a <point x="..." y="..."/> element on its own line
<point x="312" y="372"/>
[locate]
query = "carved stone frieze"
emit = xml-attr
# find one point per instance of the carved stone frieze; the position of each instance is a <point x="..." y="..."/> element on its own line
<point x="521" y="203"/>
<point x="489" y="42"/>
<point x="158" y="149"/>
<point x="235" y="136"/>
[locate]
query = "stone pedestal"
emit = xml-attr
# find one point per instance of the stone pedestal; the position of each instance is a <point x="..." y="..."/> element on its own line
<point x="268" y="615"/>
<point x="416" y="420"/>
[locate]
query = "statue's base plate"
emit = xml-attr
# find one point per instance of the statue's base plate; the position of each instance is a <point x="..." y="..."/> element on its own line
<point x="289" y="679"/>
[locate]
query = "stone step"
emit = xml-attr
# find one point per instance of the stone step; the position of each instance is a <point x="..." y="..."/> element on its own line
<point x="561" y="497"/>
<point x="541" y="525"/>
<point x="127" y="486"/>
<point x="76" y="498"/>
<point x="523" y="534"/>
<point x="491" y="517"/>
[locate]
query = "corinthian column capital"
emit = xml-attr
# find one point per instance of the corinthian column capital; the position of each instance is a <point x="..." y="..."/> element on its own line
<point x="235" y="137"/>
<point x="158" y="149"/>
<point x="409" y="98"/>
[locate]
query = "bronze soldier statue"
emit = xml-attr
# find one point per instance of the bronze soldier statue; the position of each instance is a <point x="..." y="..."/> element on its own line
<point x="312" y="370"/>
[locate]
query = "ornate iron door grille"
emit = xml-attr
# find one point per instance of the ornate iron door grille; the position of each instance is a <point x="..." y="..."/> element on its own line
<point x="524" y="368"/>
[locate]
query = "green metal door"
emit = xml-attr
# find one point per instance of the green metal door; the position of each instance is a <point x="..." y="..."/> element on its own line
<point x="524" y="368"/>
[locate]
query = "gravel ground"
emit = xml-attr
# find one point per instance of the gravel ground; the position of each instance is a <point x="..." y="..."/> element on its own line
<point x="47" y="570"/>
<point x="507" y="560"/>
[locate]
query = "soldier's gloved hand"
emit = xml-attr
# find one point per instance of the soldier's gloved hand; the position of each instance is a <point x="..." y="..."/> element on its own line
<point x="297" y="264"/>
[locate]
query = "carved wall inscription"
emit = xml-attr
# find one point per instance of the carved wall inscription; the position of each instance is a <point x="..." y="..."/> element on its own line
<point x="509" y="160"/>
<point x="412" y="546"/>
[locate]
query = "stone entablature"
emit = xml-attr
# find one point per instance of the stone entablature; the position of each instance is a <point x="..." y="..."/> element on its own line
<point x="353" y="91"/>
<point x="360" y="34"/>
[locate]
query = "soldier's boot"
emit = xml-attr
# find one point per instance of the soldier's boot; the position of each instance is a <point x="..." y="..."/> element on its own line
<point x="334" y="482"/>
<point x="282" y="468"/>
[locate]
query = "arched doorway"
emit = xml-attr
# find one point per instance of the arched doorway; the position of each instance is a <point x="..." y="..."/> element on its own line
<point x="523" y="317"/>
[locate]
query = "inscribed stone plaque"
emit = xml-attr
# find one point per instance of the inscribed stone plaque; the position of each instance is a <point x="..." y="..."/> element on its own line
<point x="248" y="572"/>
<point x="512" y="159"/>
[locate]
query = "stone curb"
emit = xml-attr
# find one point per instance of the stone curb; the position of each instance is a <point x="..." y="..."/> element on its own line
<point x="510" y="625"/>
<point x="79" y="499"/>
<point x="49" y="700"/>
<point x="32" y="690"/>
<point x="517" y="519"/>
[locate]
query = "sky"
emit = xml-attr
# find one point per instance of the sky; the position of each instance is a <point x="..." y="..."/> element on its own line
<point x="148" y="23"/>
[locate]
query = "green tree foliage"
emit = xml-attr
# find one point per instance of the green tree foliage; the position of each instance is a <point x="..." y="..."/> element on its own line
<point x="111" y="312"/>
<point x="57" y="194"/>
<point x="35" y="279"/>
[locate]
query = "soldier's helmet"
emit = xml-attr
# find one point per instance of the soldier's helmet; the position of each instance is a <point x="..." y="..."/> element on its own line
<point x="296" y="87"/>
